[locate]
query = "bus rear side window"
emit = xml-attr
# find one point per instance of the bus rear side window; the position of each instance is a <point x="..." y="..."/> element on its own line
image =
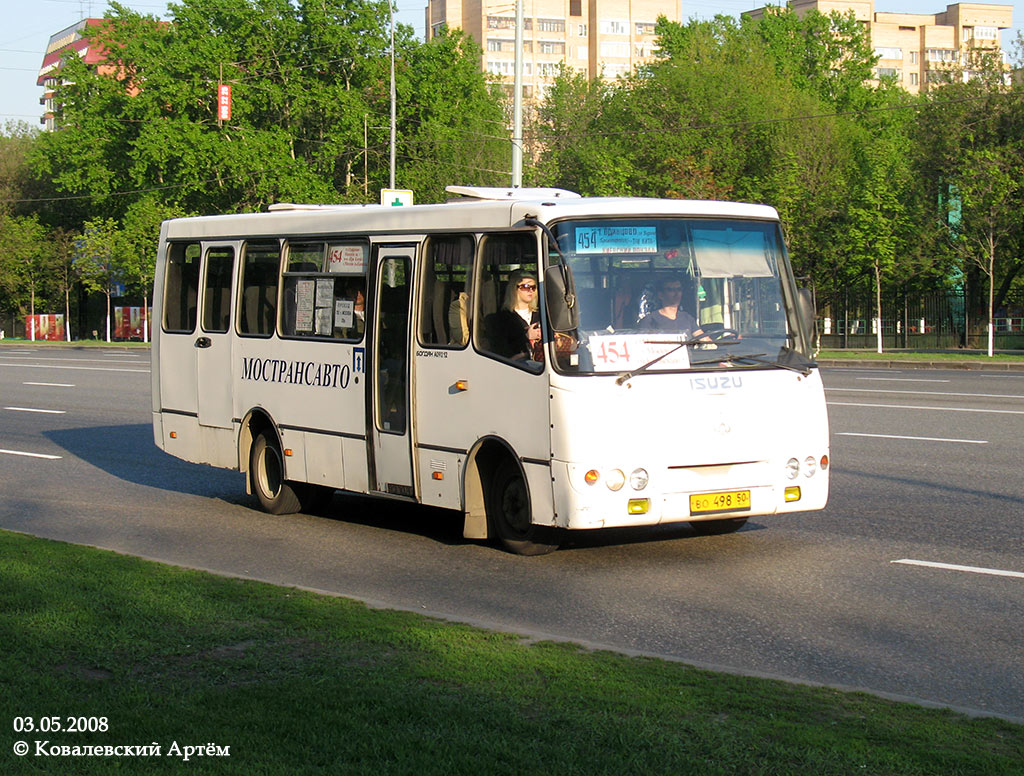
<point x="257" y="312"/>
<point x="217" y="292"/>
<point x="181" y="287"/>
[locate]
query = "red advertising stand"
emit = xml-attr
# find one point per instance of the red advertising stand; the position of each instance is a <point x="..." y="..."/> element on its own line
<point x="129" y="323"/>
<point x="44" y="327"/>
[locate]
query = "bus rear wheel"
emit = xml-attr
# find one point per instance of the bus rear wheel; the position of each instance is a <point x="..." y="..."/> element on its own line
<point x="717" y="527"/>
<point x="266" y="468"/>
<point x="508" y="507"/>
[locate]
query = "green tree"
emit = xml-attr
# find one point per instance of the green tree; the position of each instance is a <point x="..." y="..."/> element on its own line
<point x="137" y="246"/>
<point x="969" y="155"/>
<point x="97" y="252"/>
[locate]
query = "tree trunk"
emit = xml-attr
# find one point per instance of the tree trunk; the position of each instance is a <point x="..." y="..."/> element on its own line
<point x="67" y="312"/>
<point x="991" y="293"/>
<point x="878" y="306"/>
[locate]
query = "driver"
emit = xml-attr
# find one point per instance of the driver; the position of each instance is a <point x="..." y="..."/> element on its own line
<point x="670" y="315"/>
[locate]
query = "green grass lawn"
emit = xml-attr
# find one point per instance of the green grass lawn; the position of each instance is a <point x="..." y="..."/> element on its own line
<point x="293" y="682"/>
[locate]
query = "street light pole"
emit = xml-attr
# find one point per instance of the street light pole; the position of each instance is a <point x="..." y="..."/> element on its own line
<point x="517" y="102"/>
<point x="392" y="166"/>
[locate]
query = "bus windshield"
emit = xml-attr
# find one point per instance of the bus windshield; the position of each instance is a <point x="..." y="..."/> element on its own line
<point x="669" y="294"/>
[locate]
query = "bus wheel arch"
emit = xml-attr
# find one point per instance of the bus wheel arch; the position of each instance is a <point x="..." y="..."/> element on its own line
<point x="497" y="497"/>
<point x="255" y="422"/>
<point x="264" y="460"/>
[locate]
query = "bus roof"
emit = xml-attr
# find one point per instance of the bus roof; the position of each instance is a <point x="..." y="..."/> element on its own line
<point x="470" y="214"/>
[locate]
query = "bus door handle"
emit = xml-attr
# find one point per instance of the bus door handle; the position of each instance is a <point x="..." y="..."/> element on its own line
<point x="203" y="342"/>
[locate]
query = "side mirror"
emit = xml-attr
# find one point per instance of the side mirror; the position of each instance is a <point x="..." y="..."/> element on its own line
<point x="809" y="315"/>
<point x="560" y="295"/>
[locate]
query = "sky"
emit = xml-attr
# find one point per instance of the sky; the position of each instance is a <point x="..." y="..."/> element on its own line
<point x="30" y="23"/>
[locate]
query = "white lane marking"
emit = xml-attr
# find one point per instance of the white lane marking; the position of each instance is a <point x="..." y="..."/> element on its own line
<point x="33" y="409"/>
<point x="902" y="379"/>
<point x="31" y="455"/>
<point x="954" y="567"/>
<point x="914" y="407"/>
<point x="930" y="393"/>
<point x="882" y="370"/>
<point x="76" y="360"/>
<point x="53" y="385"/>
<point x="80" y="368"/>
<point x="915" y="438"/>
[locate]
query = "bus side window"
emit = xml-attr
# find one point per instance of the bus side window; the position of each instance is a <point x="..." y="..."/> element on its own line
<point x="181" y="287"/>
<point x="507" y="260"/>
<point x="260" y="266"/>
<point x="324" y="290"/>
<point x="444" y="311"/>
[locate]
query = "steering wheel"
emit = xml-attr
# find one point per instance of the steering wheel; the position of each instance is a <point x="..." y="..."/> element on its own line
<point x="718" y="335"/>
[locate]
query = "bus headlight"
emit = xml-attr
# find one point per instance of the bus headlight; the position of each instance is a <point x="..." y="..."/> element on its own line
<point x="810" y="466"/>
<point x="792" y="469"/>
<point x="615" y="479"/>
<point x="638" y="479"/>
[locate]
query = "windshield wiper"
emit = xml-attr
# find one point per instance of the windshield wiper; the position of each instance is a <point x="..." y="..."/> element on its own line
<point x="701" y="340"/>
<point x="755" y="357"/>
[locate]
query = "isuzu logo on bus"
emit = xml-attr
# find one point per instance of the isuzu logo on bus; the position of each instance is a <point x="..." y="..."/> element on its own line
<point x="716" y="383"/>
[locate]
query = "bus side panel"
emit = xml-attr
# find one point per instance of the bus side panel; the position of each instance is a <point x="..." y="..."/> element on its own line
<point x="324" y="460"/>
<point x="440" y="477"/>
<point x="499" y="401"/>
<point x="305" y="388"/>
<point x="179" y="436"/>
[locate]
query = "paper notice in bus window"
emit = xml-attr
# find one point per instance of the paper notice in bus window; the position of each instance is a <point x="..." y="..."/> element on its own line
<point x="324" y="320"/>
<point x="304" y="297"/>
<point x="344" y="313"/>
<point x="346" y="259"/>
<point x="324" y="292"/>
<point x="622" y="352"/>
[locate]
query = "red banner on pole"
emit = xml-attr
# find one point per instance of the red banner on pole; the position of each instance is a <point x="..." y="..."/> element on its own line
<point x="224" y="102"/>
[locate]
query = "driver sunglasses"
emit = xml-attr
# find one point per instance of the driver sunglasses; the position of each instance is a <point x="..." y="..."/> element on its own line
<point x="527" y="286"/>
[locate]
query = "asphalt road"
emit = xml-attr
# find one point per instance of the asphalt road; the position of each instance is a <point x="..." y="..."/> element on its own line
<point x="928" y="469"/>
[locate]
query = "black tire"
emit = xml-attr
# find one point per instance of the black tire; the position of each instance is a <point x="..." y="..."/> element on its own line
<point x="718" y="527"/>
<point x="266" y="471"/>
<point x="508" y="510"/>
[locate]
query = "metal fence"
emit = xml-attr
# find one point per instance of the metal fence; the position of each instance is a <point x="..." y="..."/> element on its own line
<point x="933" y="321"/>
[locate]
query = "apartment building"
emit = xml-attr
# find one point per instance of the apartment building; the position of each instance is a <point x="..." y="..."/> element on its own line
<point x="602" y="38"/>
<point x="74" y="38"/>
<point x="918" y="48"/>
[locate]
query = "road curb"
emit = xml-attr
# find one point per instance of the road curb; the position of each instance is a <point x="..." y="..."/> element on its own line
<point x="872" y="363"/>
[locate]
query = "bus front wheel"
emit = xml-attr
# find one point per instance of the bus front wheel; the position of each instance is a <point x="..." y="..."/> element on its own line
<point x="509" y="510"/>
<point x="266" y="467"/>
<point x="717" y="527"/>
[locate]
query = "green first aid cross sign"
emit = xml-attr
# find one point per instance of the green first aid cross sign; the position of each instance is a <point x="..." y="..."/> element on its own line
<point x="396" y="197"/>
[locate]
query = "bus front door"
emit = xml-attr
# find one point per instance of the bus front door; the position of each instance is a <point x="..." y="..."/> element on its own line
<point x="391" y="440"/>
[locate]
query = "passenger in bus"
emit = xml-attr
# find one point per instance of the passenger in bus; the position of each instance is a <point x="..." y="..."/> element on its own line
<point x="670" y="314"/>
<point x="458" y="318"/>
<point x="514" y="331"/>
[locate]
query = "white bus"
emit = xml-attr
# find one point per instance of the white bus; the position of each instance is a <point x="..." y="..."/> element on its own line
<point x="396" y="351"/>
